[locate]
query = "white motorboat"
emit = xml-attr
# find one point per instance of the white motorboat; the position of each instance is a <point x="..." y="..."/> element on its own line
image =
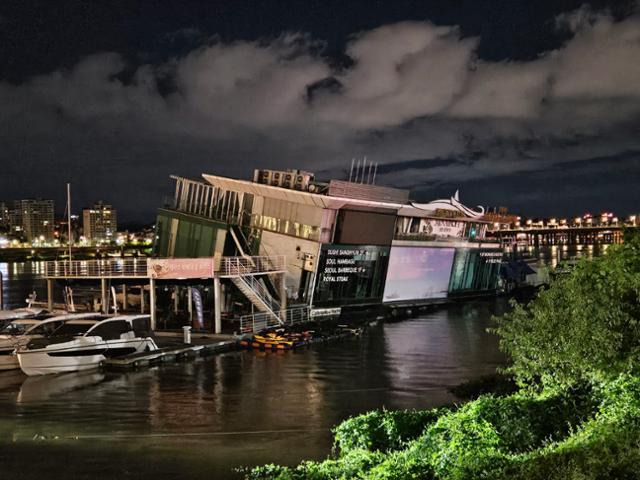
<point x="20" y="332"/>
<point x="7" y="316"/>
<point x="85" y="344"/>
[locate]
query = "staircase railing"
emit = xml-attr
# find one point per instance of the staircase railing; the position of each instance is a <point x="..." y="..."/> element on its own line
<point x="245" y="266"/>
<point x="260" y="291"/>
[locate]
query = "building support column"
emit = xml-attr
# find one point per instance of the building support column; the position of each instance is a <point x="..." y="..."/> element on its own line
<point x="103" y="295"/>
<point x="283" y="292"/>
<point x="50" y="294"/>
<point x="141" y="298"/>
<point x="125" y="300"/>
<point x="176" y="299"/>
<point x="217" y="307"/>
<point x="152" y="302"/>
<point x="190" y="305"/>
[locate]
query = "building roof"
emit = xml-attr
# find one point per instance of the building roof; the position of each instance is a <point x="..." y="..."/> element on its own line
<point x="407" y="209"/>
<point x="296" y="196"/>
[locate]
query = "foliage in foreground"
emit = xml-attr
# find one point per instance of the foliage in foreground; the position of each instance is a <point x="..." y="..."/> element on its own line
<point x="574" y="435"/>
<point x="575" y="352"/>
<point x="585" y="327"/>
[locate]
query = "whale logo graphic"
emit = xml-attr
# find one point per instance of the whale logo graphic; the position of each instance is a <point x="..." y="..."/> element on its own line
<point x="450" y="204"/>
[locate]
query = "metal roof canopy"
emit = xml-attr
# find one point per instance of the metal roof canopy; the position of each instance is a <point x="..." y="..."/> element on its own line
<point x="295" y="196"/>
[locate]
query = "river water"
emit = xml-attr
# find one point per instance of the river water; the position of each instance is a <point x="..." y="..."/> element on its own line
<point x="205" y="418"/>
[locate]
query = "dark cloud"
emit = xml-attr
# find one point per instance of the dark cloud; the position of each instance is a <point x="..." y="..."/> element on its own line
<point x="414" y="97"/>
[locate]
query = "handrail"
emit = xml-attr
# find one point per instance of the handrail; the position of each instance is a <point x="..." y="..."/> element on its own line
<point x="257" y="322"/>
<point x="236" y="266"/>
<point x="259" y="290"/>
<point x="97" y="268"/>
<point x="138" y="267"/>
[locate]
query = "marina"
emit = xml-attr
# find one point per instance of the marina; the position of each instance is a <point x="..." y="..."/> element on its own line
<point x="210" y="414"/>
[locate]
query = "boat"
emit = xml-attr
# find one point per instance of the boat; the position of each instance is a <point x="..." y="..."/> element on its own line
<point x="85" y="344"/>
<point x="272" y="341"/>
<point x="20" y="332"/>
<point x="278" y="341"/>
<point x="7" y="316"/>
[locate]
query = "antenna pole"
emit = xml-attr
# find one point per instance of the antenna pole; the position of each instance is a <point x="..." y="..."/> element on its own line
<point x="364" y="169"/>
<point x="357" y="171"/>
<point x="351" y="172"/>
<point x="375" y="170"/>
<point x="369" y="174"/>
<point x="69" y="220"/>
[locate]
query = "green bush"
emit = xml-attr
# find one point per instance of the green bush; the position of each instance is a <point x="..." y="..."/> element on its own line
<point x="604" y="447"/>
<point x="481" y="437"/>
<point x="383" y="430"/>
<point x="496" y="384"/>
<point x="585" y="327"/>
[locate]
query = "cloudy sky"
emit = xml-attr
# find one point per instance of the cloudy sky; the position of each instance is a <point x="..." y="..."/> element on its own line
<point x="530" y="105"/>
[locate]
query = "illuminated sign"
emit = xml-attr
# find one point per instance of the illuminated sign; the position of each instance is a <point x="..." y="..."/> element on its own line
<point x="341" y="263"/>
<point x="441" y="228"/>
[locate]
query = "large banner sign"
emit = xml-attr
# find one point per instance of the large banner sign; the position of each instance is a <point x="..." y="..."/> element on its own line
<point x="177" y="268"/>
<point x="417" y="273"/>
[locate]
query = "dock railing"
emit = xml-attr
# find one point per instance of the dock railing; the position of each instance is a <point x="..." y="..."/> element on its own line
<point x="257" y="322"/>
<point x="138" y="267"/>
<point x="121" y="267"/>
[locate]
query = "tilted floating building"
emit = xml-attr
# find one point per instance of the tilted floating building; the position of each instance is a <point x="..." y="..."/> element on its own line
<point x="348" y="244"/>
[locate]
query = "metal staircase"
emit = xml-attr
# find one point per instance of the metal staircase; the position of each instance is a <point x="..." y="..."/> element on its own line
<point x="259" y="290"/>
<point x="257" y="295"/>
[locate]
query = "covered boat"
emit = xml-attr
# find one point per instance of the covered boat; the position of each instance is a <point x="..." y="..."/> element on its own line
<point x="7" y="316"/>
<point x="85" y="344"/>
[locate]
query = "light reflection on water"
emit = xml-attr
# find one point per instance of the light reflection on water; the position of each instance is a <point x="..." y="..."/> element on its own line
<point x="19" y="279"/>
<point x="208" y="416"/>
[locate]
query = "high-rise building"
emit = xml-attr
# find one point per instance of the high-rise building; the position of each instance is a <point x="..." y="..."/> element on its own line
<point x="100" y="222"/>
<point x="4" y="215"/>
<point x="32" y="219"/>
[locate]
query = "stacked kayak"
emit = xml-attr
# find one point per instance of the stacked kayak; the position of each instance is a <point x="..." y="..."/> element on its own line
<point x="277" y="340"/>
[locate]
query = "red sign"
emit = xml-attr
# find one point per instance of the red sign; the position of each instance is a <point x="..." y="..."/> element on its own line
<point x="177" y="268"/>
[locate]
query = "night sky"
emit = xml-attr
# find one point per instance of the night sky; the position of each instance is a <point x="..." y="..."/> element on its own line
<point x="534" y="105"/>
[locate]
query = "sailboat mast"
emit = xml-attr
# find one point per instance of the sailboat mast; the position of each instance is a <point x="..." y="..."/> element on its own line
<point x="69" y="220"/>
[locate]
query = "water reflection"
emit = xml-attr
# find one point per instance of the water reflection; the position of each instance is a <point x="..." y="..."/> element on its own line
<point x="211" y="415"/>
<point x="19" y="279"/>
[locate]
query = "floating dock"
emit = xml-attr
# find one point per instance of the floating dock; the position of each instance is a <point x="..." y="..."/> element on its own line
<point x="170" y="353"/>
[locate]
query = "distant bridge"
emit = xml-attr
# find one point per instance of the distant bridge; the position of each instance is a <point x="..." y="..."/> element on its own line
<point x="561" y="235"/>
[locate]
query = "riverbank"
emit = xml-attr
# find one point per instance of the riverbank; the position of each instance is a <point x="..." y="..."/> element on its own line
<point x="582" y="434"/>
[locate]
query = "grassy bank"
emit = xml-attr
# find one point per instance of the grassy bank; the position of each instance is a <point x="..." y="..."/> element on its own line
<point x="571" y="412"/>
<point x="580" y="434"/>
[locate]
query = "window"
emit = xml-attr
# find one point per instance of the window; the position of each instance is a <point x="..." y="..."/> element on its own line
<point x="45" y="329"/>
<point x="141" y="327"/>
<point x="15" y="328"/>
<point x="111" y="330"/>
<point x="72" y="329"/>
<point x="350" y="275"/>
<point x="473" y="271"/>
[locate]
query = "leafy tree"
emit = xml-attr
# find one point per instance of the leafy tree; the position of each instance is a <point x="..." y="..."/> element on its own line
<point x="584" y="327"/>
